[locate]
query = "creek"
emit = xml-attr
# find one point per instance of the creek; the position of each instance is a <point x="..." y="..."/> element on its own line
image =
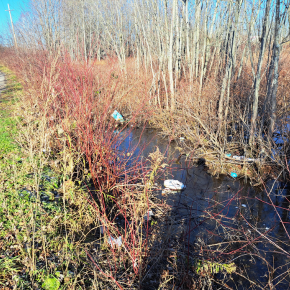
<point x="224" y="217"/>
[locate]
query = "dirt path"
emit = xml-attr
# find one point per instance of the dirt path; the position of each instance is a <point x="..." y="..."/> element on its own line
<point x="2" y="82"/>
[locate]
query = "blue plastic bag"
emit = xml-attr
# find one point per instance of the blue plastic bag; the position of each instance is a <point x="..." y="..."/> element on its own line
<point x="234" y="175"/>
<point x="117" y="116"/>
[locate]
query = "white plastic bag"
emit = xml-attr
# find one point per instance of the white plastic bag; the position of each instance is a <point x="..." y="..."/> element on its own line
<point x="150" y="213"/>
<point x="243" y="158"/>
<point x="112" y="241"/>
<point x="174" y="184"/>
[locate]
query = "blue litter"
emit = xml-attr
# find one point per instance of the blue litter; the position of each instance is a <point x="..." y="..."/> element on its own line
<point x="117" y="116"/>
<point x="234" y="175"/>
<point x="228" y="154"/>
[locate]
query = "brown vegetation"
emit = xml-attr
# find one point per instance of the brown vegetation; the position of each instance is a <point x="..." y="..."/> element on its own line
<point x="198" y="78"/>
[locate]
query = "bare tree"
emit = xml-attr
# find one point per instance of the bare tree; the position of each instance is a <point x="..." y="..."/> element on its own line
<point x="190" y="41"/>
<point x="257" y="81"/>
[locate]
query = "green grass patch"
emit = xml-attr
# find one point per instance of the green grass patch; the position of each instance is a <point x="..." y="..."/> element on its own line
<point x="8" y="128"/>
<point x="8" y="123"/>
<point x="41" y="233"/>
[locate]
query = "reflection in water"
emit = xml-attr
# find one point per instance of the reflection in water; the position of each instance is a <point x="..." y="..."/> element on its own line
<point x="225" y="214"/>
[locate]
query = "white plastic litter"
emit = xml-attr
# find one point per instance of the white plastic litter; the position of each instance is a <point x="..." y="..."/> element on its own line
<point x="250" y="159"/>
<point x="174" y="184"/>
<point x="243" y="205"/>
<point x="150" y="215"/>
<point x="267" y="228"/>
<point x="112" y="241"/>
<point x="243" y="158"/>
<point x="60" y="276"/>
<point x="117" y="116"/>
<point x="181" y="138"/>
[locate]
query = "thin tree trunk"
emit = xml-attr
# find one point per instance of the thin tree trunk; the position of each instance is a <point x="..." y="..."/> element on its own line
<point x="258" y="73"/>
<point x="276" y="56"/>
<point x="84" y="32"/>
<point x="170" y="56"/>
<point x="196" y="34"/>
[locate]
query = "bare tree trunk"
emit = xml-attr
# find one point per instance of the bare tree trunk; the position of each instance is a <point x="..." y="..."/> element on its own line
<point x="242" y="62"/>
<point x="275" y="56"/>
<point x="170" y="55"/>
<point x="196" y="35"/>
<point x="178" y="30"/>
<point x="203" y="52"/>
<point x="187" y="31"/>
<point x="84" y="32"/>
<point x="209" y="40"/>
<point x="258" y="73"/>
<point x="228" y="72"/>
<point x="232" y="55"/>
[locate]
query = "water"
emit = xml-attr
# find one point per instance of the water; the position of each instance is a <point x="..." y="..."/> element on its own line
<point x="225" y="219"/>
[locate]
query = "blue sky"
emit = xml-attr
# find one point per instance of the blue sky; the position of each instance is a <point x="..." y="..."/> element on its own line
<point x="17" y="6"/>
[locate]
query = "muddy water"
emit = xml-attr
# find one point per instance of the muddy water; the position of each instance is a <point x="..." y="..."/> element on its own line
<point x="214" y="211"/>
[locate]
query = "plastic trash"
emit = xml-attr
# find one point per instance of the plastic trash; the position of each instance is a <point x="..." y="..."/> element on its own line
<point x="240" y="158"/>
<point x="243" y="158"/>
<point x="112" y="241"/>
<point x="228" y="154"/>
<point x="174" y="184"/>
<point x="117" y="116"/>
<point x="181" y="138"/>
<point x="243" y="205"/>
<point x="59" y="276"/>
<point x="150" y="213"/>
<point x="234" y="175"/>
<point x="267" y="228"/>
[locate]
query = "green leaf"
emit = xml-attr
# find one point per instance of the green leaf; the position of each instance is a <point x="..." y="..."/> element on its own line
<point x="51" y="284"/>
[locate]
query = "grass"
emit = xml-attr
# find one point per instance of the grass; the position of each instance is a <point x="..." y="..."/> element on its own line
<point x="8" y="124"/>
<point x="67" y="190"/>
<point x="34" y="246"/>
<point x="7" y="130"/>
<point x="52" y="206"/>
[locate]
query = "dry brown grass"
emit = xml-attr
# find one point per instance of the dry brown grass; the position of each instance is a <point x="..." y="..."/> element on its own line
<point x="66" y="109"/>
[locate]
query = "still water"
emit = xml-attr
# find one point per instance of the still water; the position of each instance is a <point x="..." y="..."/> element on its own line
<point x="225" y="217"/>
